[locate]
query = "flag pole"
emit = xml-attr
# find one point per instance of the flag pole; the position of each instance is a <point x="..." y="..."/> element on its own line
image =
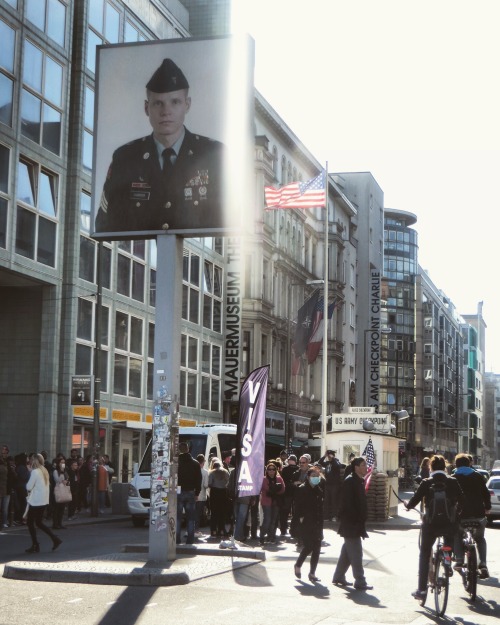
<point x="324" y="377"/>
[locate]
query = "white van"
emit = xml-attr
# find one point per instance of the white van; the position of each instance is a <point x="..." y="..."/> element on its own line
<point x="210" y="439"/>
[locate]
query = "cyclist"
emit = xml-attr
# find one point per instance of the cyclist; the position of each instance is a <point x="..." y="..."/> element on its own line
<point x="431" y="527"/>
<point x="476" y="506"/>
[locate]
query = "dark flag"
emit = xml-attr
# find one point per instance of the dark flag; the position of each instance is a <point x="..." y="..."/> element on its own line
<point x="251" y="434"/>
<point x="305" y="325"/>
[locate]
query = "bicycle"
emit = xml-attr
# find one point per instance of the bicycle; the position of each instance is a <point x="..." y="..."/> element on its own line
<point x="439" y="577"/>
<point x="469" y="570"/>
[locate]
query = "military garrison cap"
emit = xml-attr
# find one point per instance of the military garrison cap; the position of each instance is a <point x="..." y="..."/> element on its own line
<point x="168" y="77"/>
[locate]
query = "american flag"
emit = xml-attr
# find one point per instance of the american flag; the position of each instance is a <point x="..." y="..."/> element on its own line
<point x="310" y="194"/>
<point x="369" y="454"/>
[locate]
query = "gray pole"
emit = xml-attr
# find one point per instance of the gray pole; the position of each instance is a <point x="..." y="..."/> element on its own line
<point x="287" y="372"/>
<point x="166" y="386"/>
<point x="97" y="379"/>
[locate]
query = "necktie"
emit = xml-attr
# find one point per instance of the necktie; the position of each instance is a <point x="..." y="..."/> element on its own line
<point x="167" y="162"/>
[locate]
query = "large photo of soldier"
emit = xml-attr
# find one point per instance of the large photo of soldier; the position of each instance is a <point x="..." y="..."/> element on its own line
<point x="177" y="176"/>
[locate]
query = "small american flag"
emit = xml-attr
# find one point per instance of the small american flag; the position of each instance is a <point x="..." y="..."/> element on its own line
<point x="310" y="194"/>
<point x="369" y="454"/>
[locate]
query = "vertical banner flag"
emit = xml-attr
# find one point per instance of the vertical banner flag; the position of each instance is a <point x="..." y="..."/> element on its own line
<point x="251" y="432"/>
<point x="309" y="194"/>
<point x="305" y="318"/>
<point x="316" y="340"/>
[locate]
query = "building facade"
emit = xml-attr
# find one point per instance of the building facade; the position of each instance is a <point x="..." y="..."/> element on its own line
<point x="65" y="294"/>
<point x="492" y="416"/>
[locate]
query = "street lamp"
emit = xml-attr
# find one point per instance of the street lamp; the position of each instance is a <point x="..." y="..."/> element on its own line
<point x="401" y="415"/>
<point x="288" y="357"/>
<point x="383" y="330"/>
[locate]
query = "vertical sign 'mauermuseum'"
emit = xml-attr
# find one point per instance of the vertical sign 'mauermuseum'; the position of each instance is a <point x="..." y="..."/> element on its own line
<point x="232" y="342"/>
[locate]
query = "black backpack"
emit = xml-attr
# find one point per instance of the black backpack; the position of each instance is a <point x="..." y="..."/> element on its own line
<point x="439" y="512"/>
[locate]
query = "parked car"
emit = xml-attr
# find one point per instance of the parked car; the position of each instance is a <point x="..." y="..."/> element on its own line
<point x="494" y="488"/>
<point x="484" y="473"/>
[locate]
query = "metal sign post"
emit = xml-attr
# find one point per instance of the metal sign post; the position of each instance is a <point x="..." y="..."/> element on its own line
<point x="163" y="510"/>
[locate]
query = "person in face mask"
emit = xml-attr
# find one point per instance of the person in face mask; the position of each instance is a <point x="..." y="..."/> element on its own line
<point x="310" y="513"/>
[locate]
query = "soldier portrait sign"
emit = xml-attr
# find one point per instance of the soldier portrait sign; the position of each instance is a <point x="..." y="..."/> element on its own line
<point x="173" y="148"/>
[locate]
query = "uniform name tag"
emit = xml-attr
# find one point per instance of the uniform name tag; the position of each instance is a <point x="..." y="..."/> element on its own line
<point x="139" y="195"/>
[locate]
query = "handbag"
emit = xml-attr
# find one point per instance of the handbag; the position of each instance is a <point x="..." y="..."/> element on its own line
<point x="62" y="493"/>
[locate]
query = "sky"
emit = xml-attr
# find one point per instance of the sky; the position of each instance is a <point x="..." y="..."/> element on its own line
<point x="407" y="90"/>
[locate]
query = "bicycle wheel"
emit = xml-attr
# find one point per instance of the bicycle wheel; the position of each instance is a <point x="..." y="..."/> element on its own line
<point x="471" y="572"/>
<point x="441" y="585"/>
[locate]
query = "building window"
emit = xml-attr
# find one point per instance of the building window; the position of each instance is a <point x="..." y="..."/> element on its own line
<point x="191" y="287"/>
<point x="36" y="226"/>
<point x="212" y="297"/>
<point x="131" y="269"/>
<point x="104" y="27"/>
<point x="128" y="355"/>
<point x="87" y="259"/>
<point x="88" y="137"/>
<point x="189" y="371"/>
<point x="85" y="344"/>
<point x="85" y="209"/>
<point x="7" y="53"/>
<point x="210" y="378"/>
<point x="49" y="16"/>
<point x="4" y="189"/>
<point x="41" y="98"/>
<point x="352" y="316"/>
<point x="132" y="33"/>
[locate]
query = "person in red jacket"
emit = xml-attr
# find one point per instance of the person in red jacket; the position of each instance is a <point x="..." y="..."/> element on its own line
<point x="272" y="487"/>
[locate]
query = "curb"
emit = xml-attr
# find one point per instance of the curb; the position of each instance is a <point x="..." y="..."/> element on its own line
<point x="203" y="550"/>
<point x="147" y="576"/>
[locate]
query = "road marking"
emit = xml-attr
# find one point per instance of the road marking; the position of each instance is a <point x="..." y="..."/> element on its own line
<point x="228" y="611"/>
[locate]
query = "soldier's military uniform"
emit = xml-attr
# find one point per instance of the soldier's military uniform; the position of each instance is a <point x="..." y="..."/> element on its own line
<point x="138" y="195"/>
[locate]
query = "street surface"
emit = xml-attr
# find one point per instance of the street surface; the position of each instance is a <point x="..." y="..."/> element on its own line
<point x="263" y="593"/>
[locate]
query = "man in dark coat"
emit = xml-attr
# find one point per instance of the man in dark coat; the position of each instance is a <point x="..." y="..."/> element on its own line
<point x="333" y="479"/>
<point x="352" y="514"/>
<point x="189" y="481"/>
<point x="310" y="513"/>
<point x="429" y="534"/>
<point x="477" y="504"/>
<point x="171" y="179"/>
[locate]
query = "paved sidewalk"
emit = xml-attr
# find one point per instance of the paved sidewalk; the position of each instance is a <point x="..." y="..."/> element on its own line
<point x="132" y="567"/>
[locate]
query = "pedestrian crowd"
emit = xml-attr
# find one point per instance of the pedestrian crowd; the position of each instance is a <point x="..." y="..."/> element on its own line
<point x="69" y="485"/>
<point x="297" y="496"/>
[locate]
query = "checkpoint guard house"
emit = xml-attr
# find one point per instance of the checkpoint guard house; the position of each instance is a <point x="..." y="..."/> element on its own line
<point x="350" y="432"/>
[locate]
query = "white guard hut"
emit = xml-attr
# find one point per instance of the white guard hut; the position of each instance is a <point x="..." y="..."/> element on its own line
<point x="350" y="433"/>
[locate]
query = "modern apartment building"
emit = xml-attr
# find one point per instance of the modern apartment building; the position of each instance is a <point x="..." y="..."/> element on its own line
<point x="492" y="417"/>
<point x="474" y="333"/>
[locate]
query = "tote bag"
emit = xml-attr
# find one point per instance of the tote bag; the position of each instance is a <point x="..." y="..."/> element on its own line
<point x="62" y="493"/>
